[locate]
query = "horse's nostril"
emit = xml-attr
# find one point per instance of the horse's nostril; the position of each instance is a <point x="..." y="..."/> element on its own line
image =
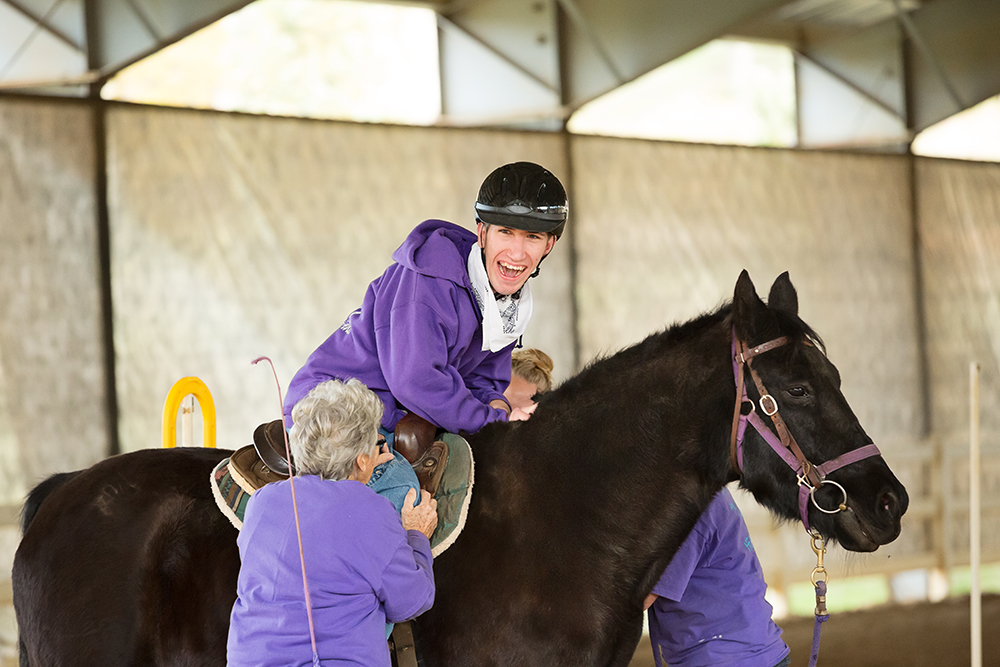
<point x="889" y="503"/>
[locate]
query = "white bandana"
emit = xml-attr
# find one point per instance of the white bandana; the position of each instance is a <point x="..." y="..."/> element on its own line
<point x="504" y="319"/>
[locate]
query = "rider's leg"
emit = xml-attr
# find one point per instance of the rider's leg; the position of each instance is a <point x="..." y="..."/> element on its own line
<point x="392" y="480"/>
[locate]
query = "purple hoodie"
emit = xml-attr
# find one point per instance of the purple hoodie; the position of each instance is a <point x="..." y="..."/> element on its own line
<point x="417" y="339"/>
<point x="362" y="567"/>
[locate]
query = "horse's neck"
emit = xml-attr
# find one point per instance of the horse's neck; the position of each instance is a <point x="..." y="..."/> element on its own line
<point x="651" y="426"/>
<point x="676" y="408"/>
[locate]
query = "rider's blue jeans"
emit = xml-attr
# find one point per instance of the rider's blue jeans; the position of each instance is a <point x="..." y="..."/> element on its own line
<point x="392" y="480"/>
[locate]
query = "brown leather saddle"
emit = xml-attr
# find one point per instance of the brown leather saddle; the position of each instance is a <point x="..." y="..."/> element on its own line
<point x="265" y="461"/>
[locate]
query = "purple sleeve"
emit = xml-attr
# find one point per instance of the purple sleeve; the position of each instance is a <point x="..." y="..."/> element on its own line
<point x="413" y="354"/>
<point x="675" y="579"/>
<point x="408" y="580"/>
<point x="492" y="376"/>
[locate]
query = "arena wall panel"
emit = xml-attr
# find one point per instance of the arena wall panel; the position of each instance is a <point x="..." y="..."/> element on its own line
<point x="52" y="395"/>
<point x="52" y="379"/>
<point x="665" y="232"/>
<point x="959" y="213"/>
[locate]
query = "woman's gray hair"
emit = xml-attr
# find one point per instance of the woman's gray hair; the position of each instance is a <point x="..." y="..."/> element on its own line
<point x="334" y="423"/>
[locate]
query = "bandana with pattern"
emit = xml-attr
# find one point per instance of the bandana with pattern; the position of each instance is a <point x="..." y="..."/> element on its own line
<point x="504" y="319"/>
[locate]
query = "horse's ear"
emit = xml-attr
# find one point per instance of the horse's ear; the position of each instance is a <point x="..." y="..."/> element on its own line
<point x="747" y="307"/>
<point x="783" y="296"/>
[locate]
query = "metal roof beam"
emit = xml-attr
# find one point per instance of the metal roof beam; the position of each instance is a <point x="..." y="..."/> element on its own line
<point x="588" y="33"/>
<point x="44" y="22"/>
<point x="850" y="87"/>
<point x="500" y="64"/>
<point x="126" y="31"/>
<point x="620" y="41"/>
<point x="445" y="24"/>
<point x="959" y="63"/>
<point x="914" y="34"/>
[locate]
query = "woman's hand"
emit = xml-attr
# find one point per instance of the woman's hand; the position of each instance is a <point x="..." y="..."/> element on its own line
<point x="423" y="517"/>
<point x="500" y="405"/>
<point x="384" y="455"/>
<point x="522" y="414"/>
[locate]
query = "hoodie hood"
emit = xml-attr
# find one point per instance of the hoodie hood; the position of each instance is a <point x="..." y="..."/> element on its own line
<point x="437" y="249"/>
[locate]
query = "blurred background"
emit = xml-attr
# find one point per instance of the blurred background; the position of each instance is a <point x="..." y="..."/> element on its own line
<point x="187" y="186"/>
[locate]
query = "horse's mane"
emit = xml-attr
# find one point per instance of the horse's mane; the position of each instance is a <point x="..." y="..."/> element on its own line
<point x="615" y="364"/>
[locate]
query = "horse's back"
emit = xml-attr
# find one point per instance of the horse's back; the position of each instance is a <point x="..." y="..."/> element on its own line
<point x="127" y="563"/>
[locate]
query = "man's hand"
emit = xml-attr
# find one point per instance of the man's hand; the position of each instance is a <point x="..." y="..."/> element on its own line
<point x="423" y="517"/>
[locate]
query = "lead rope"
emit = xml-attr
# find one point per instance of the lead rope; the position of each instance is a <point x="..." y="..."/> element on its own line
<point x="295" y="510"/>
<point x="819" y="579"/>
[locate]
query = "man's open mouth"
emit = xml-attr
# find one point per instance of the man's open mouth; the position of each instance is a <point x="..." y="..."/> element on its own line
<point x="510" y="271"/>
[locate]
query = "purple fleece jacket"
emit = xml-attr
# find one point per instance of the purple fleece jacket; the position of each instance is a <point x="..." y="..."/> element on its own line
<point x="363" y="569"/>
<point x="417" y="339"/>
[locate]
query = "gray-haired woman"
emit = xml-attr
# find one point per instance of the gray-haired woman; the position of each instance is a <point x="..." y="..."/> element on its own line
<point x="363" y="567"/>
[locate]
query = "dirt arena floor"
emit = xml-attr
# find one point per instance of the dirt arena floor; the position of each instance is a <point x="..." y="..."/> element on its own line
<point x="915" y="635"/>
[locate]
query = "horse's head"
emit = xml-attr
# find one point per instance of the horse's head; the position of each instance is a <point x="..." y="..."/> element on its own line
<point x="857" y="499"/>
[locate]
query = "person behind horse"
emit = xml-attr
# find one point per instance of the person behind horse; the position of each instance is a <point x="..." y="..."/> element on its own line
<point x="530" y="376"/>
<point x="365" y="572"/>
<point x="434" y="334"/>
<point x="708" y="608"/>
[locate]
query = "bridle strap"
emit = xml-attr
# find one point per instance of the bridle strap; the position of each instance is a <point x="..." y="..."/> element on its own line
<point x="852" y="456"/>
<point x="810" y="477"/>
<point x="739" y="422"/>
<point x="742" y="355"/>
<point x="804" y="468"/>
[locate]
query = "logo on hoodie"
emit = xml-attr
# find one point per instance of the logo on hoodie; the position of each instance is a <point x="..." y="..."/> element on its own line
<point x="346" y="326"/>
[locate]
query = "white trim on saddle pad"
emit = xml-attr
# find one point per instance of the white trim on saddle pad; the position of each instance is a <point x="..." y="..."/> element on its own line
<point x="454" y="493"/>
<point x="217" y="477"/>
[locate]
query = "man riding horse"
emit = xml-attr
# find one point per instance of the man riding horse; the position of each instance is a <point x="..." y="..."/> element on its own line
<point x="434" y="335"/>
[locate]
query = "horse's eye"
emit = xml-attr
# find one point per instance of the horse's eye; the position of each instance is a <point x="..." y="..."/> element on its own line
<point x="797" y="392"/>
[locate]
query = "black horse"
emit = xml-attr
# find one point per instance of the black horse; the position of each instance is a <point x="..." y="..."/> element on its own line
<point x="575" y="513"/>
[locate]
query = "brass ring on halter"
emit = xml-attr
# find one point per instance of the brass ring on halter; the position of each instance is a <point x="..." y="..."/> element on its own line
<point x="774" y="404"/>
<point x="841" y="507"/>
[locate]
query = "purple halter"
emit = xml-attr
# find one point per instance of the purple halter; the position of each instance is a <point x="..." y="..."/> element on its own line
<point x="810" y="477"/>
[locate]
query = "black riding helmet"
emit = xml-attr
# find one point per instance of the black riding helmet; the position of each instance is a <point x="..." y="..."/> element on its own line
<point x="523" y="195"/>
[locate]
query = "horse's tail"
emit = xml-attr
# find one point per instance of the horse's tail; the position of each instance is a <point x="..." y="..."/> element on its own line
<point x="38" y="495"/>
<point x="31" y="505"/>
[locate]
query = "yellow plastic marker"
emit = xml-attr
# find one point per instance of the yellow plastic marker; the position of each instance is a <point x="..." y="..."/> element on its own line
<point x="181" y="390"/>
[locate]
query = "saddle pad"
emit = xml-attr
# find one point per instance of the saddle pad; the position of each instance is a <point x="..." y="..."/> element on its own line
<point x="454" y="493"/>
<point x="230" y="497"/>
